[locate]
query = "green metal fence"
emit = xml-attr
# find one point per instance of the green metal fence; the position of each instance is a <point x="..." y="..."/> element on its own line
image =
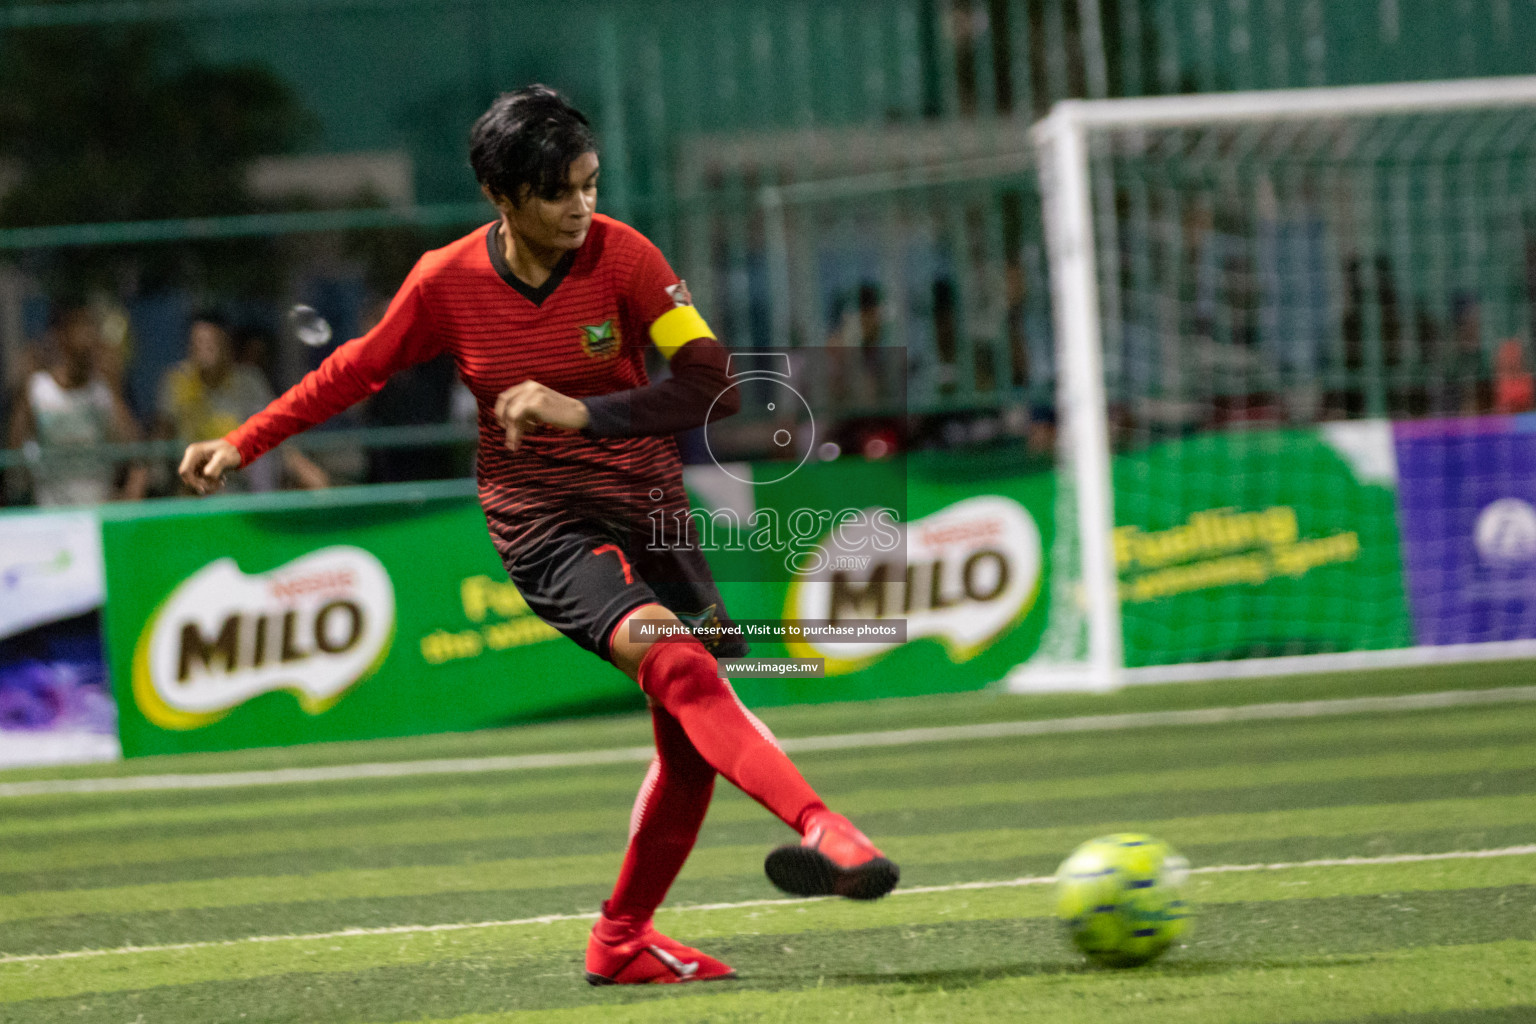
<point x="823" y="174"/>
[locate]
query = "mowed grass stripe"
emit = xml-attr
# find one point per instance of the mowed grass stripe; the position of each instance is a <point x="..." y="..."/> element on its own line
<point x="162" y="829"/>
<point x="604" y="811"/>
<point x="1311" y="990"/>
<point x="1504" y="1015"/>
<point x="451" y="825"/>
<point x="40" y="979"/>
<point x="1236" y="743"/>
<point x="763" y="835"/>
<point x="533" y="873"/>
<point x="920" y="949"/>
<point x="458" y="908"/>
<point x="734" y="821"/>
<point x="628" y="729"/>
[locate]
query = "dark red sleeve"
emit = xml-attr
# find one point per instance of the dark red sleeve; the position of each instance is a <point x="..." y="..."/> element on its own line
<point x="685" y="400"/>
<point x="696" y="391"/>
<point x="351" y="373"/>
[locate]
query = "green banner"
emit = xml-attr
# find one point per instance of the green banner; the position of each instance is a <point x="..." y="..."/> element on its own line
<point x="278" y="619"/>
<point x="369" y="612"/>
<point x="365" y="612"/>
<point x="967" y="579"/>
<point x="1260" y="544"/>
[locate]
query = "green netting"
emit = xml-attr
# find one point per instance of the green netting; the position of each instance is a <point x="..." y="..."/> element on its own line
<point x="1274" y="292"/>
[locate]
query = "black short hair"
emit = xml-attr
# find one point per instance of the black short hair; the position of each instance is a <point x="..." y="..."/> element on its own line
<point x="67" y="309"/>
<point x="528" y="137"/>
<point x="211" y="317"/>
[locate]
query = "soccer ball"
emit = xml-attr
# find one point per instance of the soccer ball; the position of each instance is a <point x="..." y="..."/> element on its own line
<point x="1120" y="898"/>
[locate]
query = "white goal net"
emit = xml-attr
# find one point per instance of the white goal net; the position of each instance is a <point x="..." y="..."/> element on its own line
<point x="1294" y="337"/>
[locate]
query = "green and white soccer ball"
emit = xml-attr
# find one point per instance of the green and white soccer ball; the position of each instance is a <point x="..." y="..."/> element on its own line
<point x="1121" y="898"/>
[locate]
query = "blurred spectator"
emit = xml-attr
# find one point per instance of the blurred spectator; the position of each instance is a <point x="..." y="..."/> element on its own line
<point x="1465" y="384"/>
<point x="853" y="359"/>
<point x="255" y="348"/>
<point x="1015" y="297"/>
<point x="1295" y="307"/>
<point x="945" y="334"/>
<point x="1356" y="324"/>
<point x="1369" y="284"/>
<point x="420" y="395"/>
<point x="1224" y="370"/>
<point x="65" y="409"/>
<point x="209" y="394"/>
<point x="1514" y="386"/>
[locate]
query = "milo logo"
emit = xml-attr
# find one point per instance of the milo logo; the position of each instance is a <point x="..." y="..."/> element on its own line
<point x="314" y="627"/>
<point x="970" y="572"/>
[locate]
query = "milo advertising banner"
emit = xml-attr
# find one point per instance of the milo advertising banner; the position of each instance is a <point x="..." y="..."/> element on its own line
<point x="279" y="619"/>
<point x="1259" y="544"/>
<point x="962" y="568"/>
<point x="270" y="620"/>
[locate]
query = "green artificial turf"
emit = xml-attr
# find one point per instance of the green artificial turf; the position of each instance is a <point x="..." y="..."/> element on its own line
<point x="226" y="904"/>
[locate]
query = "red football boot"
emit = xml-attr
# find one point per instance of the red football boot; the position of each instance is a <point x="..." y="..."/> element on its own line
<point x="834" y="859"/>
<point x="650" y="958"/>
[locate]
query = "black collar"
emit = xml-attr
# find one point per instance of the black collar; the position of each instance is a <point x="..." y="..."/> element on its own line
<point x="528" y="291"/>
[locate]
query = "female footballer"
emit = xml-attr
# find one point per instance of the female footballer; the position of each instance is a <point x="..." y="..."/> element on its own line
<point x="545" y="312"/>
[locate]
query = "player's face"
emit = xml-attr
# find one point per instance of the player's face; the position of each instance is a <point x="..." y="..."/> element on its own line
<point x="562" y="222"/>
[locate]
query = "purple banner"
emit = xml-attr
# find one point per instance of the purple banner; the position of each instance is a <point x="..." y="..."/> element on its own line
<point x="1467" y="507"/>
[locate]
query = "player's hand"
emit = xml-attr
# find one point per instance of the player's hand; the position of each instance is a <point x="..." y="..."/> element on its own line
<point x="205" y="463"/>
<point x="524" y="406"/>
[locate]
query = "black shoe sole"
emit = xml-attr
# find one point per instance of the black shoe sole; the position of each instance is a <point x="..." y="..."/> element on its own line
<point x="598" y="979"/>
<point x="802" y="871"/>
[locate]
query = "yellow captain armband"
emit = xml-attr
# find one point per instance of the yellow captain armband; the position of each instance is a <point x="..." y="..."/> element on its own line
<point x="677" y="327"/>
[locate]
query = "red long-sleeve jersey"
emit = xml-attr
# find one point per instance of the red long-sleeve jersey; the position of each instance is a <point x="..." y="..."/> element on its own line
<point x="583" y="334"/>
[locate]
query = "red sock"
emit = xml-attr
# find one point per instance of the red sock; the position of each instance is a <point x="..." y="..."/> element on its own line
<point x="681" y="676"/>
<point x="662" y="829"/>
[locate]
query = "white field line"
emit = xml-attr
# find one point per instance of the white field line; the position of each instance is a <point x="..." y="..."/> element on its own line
<point x="1009" y="883"/>
<point x="845" y="741"/>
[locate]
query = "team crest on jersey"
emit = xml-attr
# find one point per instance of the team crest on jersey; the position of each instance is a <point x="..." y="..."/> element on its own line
<point x="680" y="295"/>
<point x="602" y="340"/>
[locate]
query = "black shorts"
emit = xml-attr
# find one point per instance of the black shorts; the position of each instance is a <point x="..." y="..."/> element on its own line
<point x="583" y="580"/>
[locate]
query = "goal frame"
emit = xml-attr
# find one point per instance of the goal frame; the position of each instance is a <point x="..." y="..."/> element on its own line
<point x="1062" y="141"/>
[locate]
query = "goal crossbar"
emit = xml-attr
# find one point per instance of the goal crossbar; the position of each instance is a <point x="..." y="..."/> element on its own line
<point x="1290" y="104"/>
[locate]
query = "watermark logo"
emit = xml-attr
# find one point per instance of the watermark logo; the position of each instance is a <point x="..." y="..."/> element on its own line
<point x="315" y="627"/>
<point x="1505" y="534"/>
<point x="803" y="541"/>
<point x="808" y="471"/>
<point x="964" y="575"/>
<point x="762" y="383"/>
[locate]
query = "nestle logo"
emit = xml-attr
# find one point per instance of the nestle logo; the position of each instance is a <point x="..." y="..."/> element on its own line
<point x="340" y="581"/>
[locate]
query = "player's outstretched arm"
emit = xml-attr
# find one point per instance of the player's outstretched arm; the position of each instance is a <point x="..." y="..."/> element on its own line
<point x="351" y="373"/>
<point x="205" y="463"/>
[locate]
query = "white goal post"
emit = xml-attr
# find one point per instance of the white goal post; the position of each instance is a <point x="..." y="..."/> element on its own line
<point x="1250" y="285"/>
